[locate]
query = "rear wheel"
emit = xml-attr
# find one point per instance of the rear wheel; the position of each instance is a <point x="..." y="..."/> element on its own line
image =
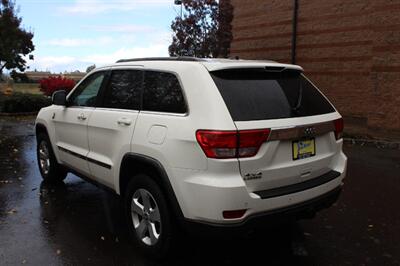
<point x="149" y="221"/>
<point x="50" y="169"/>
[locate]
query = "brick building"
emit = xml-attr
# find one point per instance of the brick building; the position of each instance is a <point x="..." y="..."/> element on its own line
<point x="350" y="49"/>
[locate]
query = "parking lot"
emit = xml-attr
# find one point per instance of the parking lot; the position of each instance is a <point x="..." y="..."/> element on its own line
<point x="77" y="223"/>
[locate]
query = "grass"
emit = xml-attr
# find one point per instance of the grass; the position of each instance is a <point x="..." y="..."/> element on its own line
<point x="32" y="88"/>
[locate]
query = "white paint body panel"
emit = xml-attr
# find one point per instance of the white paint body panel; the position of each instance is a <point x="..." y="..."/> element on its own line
<point x="109" y="141"/>
<point x="71" y="134"/>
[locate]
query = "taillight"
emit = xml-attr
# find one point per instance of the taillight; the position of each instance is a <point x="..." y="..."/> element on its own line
<point x="218" y="144"/>
<point x="250" y="141"/>
<point x="231" y="144"/>
<point x="339" y="125"/>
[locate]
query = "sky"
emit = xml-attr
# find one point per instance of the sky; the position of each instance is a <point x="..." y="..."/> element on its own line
<point x="71" y="35"/>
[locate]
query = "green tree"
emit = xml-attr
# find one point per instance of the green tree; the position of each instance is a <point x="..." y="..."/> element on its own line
<point x="19" y="77"/>
<point x="204" y="30"/>
<point x="15" y="42"/>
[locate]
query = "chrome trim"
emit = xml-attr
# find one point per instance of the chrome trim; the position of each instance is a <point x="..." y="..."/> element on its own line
<point x="164" y="113"/>
<point x="299" y="132"/>
<point x="82" y="107"/>
<point x="117" y="109"/>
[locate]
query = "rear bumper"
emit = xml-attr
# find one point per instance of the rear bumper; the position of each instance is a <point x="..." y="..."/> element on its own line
<point x="204" y="198"/>
<point x="298" y="211"/>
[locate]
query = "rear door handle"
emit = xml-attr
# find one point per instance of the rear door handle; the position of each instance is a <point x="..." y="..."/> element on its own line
<point x="123" y="121"/>
<point x="82" y="116"/>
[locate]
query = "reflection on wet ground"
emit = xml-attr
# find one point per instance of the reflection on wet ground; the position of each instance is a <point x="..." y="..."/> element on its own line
<point x="76" y="223"/>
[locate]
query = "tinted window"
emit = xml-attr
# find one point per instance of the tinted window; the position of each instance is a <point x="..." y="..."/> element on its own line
<point x="162" y="93"/>
<point x="123" y="90"/>
<point x="86" y="93"/>
<point x="256" y="94"/>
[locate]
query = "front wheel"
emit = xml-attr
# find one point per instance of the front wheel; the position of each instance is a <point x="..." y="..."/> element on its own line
<point x="50" y="169"/>
<point x="149" y="221"/>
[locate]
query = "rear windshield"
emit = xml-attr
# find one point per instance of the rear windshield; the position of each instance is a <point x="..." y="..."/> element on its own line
<point x="257" y="94"/>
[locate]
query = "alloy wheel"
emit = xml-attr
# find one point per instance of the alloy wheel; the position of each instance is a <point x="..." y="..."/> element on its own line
<point x="44" y="157"/>
<point x="146" y="217"/>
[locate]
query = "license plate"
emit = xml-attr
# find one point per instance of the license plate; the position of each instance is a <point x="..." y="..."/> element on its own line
<point x="303" y="148"/>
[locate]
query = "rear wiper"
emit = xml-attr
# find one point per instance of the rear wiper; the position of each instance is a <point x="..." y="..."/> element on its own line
<point x="299" y="98"/>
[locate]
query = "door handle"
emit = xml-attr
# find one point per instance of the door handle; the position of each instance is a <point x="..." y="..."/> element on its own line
<point x="123" y="121"/>
<point x="82" y="116"/>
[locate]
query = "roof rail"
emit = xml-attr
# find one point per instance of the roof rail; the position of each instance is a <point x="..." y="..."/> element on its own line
<point x="178" y="58"/>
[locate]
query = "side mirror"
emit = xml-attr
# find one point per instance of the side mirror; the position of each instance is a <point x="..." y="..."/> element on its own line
<point x="60" y="98"/>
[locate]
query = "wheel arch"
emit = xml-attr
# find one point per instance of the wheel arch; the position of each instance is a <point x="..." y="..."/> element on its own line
<point x="133" y="163"/>
<point x="40" y="128"/>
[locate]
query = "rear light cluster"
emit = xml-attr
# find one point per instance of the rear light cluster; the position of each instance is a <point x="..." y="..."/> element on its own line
<point x="231" y="144"/>
<point x="243" y="143"/>
<point x="339" y="126"/>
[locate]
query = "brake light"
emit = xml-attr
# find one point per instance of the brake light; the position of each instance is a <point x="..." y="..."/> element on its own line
<point x="231" y="144"/>
<point x="339" y="126"/>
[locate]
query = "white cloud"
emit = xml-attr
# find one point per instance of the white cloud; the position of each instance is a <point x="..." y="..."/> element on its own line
<point x="77" y="42"/>
<point x="68" y="63"/>
<point x="50" y="62"/>
<point x="98" y="6"/>
<point x="149" y="51"/>
<point x="126" y="28"/>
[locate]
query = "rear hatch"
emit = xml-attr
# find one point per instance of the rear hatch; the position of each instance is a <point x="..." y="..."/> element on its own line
<point x="300" y="120"/>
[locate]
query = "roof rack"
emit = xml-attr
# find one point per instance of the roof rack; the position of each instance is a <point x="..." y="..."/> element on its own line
<point x="178" y="58"/>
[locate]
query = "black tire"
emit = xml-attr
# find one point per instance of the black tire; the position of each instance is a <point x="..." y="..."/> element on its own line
<point x="168" y="235"/>
<point x="53" y="172"/>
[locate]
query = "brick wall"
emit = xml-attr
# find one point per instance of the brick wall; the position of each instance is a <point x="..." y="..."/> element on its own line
<point x="350" y="49"/>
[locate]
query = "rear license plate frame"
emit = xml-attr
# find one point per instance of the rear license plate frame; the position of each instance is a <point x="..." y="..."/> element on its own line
<point x="303" y="148"/>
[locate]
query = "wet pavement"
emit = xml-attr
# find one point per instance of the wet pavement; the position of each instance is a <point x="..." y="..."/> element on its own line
<point x="77" y="223"/>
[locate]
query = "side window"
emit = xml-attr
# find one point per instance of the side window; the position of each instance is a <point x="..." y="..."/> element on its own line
<point x="123" y="90"/>
<point x="162" y="93"/>
<point x="86" y="93"/>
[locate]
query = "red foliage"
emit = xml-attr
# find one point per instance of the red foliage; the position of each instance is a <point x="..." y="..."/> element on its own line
<point x="52" y="84"/>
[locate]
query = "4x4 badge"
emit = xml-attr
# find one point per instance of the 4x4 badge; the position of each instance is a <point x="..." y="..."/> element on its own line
<point x="252" y="176"/>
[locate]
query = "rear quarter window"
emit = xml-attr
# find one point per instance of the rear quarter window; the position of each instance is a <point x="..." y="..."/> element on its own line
<point x="257" y="94"/>
<point x="163" y="93"/>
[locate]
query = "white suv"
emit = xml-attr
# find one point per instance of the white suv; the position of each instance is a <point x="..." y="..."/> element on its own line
<point x="215" y="143"/>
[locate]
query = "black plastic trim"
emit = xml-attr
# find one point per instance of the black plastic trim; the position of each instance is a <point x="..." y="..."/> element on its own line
<point x="40" y="127"/>
<point x="281" y="191"/>
<point x="85" y="158"/>
<point x="98" y="163"/>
